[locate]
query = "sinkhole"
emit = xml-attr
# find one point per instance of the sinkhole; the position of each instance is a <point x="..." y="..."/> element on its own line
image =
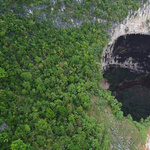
<point x="126" y="65"/>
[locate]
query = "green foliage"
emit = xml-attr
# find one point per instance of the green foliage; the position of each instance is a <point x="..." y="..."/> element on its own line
<point x="107" y="10"/>
<point x="18" y="145"/>
<point x="50" y="74"/>
<point x="48" y="78"/>
<point x="26" y="76"/>
<point x="3" y="73"/>
<point x="142" y="131"/>
<point x="71" y="79"/>
<point x="50" y="114"/>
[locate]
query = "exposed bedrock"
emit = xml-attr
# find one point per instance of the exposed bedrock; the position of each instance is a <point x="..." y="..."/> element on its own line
<point x="129" y="51"/>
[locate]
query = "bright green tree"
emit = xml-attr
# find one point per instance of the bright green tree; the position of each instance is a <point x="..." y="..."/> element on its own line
<point x="18" y="145"/>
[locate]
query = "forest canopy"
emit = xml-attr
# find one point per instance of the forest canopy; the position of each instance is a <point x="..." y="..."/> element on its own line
<point x="48" y="77"/>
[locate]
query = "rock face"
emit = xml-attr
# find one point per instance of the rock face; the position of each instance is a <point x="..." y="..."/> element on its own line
<point x="4" y="126"/>
<point x="56" y="19"/>
<point x="132" y="52"/>
<point x="147" y="145"/>
<point x="135" y="23"/>
<point x="105" y="84"/>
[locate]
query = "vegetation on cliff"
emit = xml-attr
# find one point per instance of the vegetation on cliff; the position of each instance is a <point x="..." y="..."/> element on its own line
<point x="49" y="78"/>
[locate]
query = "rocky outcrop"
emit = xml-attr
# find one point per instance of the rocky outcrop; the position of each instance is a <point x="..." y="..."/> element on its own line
<point x="147" y="145"/>
<point x="39" y="13"/>
<point x="4" y="126"/>
<point x="131" y="52"/>
<point x="105" y="84"/>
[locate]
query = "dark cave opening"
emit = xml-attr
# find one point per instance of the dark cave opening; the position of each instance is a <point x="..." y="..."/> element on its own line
<point x="129" y="75"/>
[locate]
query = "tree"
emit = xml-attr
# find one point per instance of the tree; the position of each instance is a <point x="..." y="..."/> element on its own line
<point x="3" y="73"/>
<point x="70" y="129"/>
<point x="26" y="85"/>
<point x="50" y="113"/>
<point x="42" y="126"/>
<point x="26" y="76"/>
<point x="18" y="145"/>
<point x="71" y="79"/>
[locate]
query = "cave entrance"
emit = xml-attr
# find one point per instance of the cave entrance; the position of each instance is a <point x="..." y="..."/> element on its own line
<point x="127" y="70"/>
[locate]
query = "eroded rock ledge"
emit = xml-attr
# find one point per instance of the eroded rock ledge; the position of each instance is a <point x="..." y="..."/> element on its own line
<point x="137" y="22"/>
<point x="130" y="51"/>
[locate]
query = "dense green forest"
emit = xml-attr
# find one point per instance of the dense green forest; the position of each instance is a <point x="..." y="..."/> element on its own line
<point x="49" y="78"/>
